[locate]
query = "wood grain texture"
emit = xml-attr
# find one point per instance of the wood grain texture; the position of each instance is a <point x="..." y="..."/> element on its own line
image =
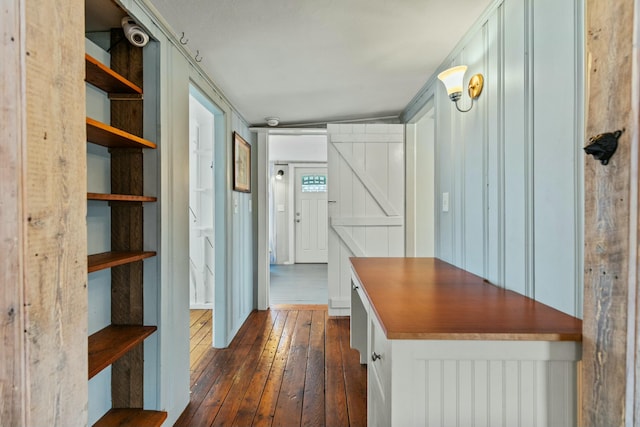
<point x="13" y="391"/>
<point x="285" y="366"/>
<point x="55" y="211"/>
<point x="609" y="204"/>
<point x="426" y="298"/>
<point x="113" y="137"/>
<point x="131" y="417"/>
<point x="111" y="343"/>
<point x="120" y="197"/>
<point x="127" y="284"/>
<point x="112" y="259"/>
<point x="106" y="79"/>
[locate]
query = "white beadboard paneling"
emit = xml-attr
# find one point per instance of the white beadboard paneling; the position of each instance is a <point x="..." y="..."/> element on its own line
<point x="499" y="384"/>
<point x="554" y="153"/>
<point x="510" y="164"/>
<point x="515" y="146"/>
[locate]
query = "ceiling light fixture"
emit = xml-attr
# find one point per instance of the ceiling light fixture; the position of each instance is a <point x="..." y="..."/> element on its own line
<point x="272" y="121"/>
<point x="453" y="78"/>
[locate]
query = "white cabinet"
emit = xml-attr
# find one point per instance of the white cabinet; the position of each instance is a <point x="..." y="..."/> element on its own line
<point x="448" y="382"/>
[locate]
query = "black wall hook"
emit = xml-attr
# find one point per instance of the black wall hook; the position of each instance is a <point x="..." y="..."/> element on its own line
<point x="602" y="146"/>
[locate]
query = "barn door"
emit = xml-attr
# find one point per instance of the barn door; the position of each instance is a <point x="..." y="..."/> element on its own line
<point x="366" y="201"/>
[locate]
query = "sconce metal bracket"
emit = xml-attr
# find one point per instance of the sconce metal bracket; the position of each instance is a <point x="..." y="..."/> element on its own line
<point x="602" y="146"/>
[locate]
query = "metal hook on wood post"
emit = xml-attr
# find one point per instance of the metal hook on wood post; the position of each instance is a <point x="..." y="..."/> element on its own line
<point x="196" y="57"/>
<point x="183" y="41"/>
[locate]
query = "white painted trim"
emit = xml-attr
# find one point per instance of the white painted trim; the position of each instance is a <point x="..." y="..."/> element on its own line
<point x="340" y="303"/>
<point x="205" y="306"/>
<point x="368" y="182"/>
<point x="529" y="285"/>
<point x="263" y="220"/>
<point x="579" y="131"/>
<point x="349" y="242"/>
<point x="263" y="272"/>
<point x="386" y="221"/>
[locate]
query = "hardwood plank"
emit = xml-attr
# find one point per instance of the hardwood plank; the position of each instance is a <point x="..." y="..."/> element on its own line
<point x="427" y="298"/>
<point x="120" y="197"/>
<point x="251" y="399"/>
<point x="243" y="376"/>
<point x="55" y="273"/>
<point x="286" y="359"/>
<point x="13" y="140"/>
<point x="212" y="379"/>
<point x="109" y="136"/>
<point x="314" y="399"/>
<point x="266" y="407"/>
<point x="355" y="378"/>
<point x="336" y="412"/>
<point x="103" y="77"/>
<point x="289" y="405"/>
<point x="109" y="344"/>
<point x="610" y="394"/>
<point x="197" y="315"/>
<point x="126" y="417"/>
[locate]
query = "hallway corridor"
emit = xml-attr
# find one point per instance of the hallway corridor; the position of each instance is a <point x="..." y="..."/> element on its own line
<point x="289" y="366"/>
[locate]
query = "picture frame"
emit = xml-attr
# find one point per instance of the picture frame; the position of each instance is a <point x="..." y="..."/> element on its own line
<point x="241" y="164"/>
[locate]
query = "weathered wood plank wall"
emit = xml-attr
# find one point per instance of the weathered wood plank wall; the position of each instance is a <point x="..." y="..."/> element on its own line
<point x="55" y="263"/>
<point x="12" y="140"/>
<point x="611" y="206"/>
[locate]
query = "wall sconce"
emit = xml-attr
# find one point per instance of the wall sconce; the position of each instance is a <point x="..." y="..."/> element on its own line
<point x="453" y="78"/>
<point x="280" y="174"/>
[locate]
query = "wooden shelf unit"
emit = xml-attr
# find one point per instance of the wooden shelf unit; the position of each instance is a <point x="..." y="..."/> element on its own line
<point x="126" y="417"/>
<point x="109" y="136"/>
<point x="103" y="77"/>
<point x="111" y="343"/>
<point x="110" y="259"/>
<point x="120" y="197"/>
<point x="119" y="344"/>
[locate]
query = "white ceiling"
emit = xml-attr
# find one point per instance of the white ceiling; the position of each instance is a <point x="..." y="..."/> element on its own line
<point x="308" y="61"/>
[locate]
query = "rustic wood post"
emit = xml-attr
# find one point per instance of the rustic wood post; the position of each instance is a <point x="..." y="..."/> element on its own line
<point x="611" y="207"/>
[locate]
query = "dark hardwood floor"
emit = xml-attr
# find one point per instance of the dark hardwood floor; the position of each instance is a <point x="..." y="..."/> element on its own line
<point x="289" y="366"/>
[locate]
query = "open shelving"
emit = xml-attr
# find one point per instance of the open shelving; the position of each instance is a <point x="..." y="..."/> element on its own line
<point x="119" y="344"/>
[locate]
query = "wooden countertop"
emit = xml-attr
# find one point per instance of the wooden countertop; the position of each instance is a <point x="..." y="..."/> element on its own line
<point x="427" y="298"/>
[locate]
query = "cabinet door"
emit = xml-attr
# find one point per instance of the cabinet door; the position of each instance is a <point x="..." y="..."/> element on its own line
<point x="379" y="376"/>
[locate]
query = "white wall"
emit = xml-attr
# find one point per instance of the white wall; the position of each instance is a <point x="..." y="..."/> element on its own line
<point x="297" y="148"/>
<point x="512" y="165"/>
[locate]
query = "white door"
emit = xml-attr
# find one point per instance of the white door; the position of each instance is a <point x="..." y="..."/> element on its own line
<point x="311" y="215"/>
<point x="366" y="201"/>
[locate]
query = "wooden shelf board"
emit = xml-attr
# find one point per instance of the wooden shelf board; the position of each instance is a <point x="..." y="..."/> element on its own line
<point x="120" y="197"/>
<point x="112" y="259"/>
<point x="111" y="343"/>
<point x="108" y="136"/>
<point x="106" y="79"/>
<point x="131" y="417"/>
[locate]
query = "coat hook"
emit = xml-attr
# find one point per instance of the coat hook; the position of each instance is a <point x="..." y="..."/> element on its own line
<point x="196" y="57"/>
<point x="602" y="146"/>
<point x="183" y="41"/>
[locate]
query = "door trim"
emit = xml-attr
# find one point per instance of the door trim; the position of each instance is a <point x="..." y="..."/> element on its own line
<point x="262" y="175"/>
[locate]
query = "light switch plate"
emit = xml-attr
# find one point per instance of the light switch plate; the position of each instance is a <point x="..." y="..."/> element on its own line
<point x="445" y="202"/>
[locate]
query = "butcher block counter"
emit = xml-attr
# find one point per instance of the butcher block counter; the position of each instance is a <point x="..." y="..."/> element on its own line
<point x="445" y="347"/>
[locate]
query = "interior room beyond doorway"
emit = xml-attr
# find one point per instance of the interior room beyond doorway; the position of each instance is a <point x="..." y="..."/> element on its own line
<point x="298" y="219"/>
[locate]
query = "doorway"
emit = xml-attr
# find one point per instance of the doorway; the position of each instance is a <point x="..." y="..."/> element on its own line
<point x="297" y="200"/>
<point x="202" y="254"/>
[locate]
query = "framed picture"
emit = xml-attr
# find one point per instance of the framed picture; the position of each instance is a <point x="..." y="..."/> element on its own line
<point x="241" y="164"/>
